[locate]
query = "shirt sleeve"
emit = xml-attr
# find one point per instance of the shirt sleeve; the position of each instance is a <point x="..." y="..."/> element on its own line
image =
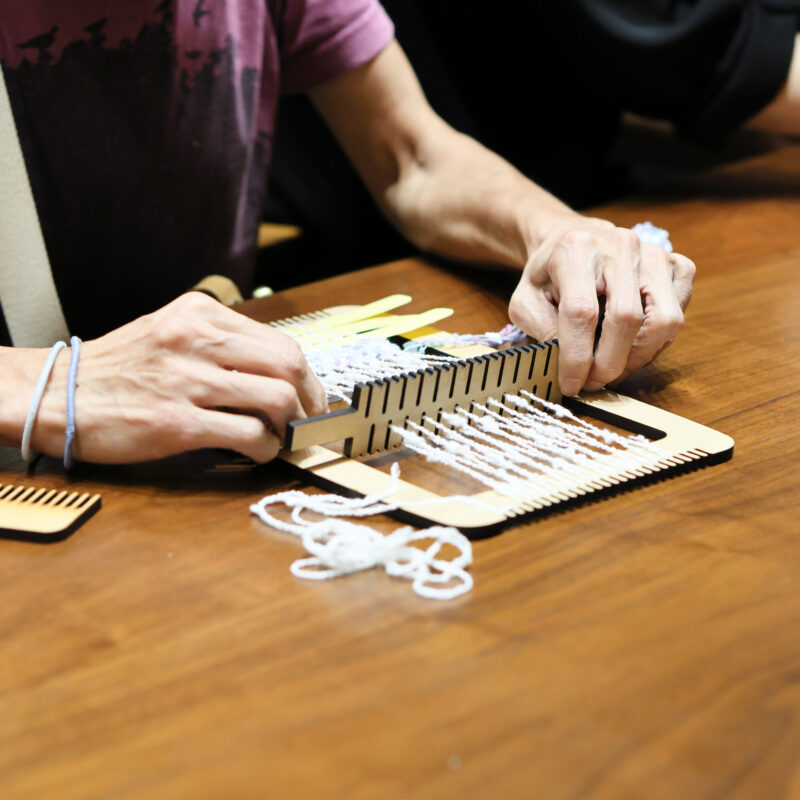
<point x="705" y="65"/>
<point x="323" y="39"/>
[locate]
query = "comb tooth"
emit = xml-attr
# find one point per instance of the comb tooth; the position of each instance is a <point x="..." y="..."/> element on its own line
<point x="514" y="354"/>
<point x="16" y="492"/>
<point x="58" y="498"/>
<point x="82" y="500"/>
<point x="484" y="372"/>
<point x="48" y="497"/>
<point x="458" y="392"/>
<point x="403" y="389"/>
<point x="529" y="362"/>
<point x="427" y="387"/>
<point x="38" y="496"/>
<point x="70" y="499"/>
<point x="451" y="381"/>
<point x="26" y="494"/>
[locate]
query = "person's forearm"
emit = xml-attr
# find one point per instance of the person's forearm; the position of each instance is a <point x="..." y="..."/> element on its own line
<point x="435" y="204"/>
<point x="191" y="375"/>
<point x="447" y="193"/>
<point x="19" y="372"/>
<point x="450" y="195"/>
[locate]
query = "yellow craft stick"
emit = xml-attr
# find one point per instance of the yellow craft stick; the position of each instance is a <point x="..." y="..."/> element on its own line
<point x="364" y="312"/>
<point x="384" y="327"/>
<point x="399" y="323"/>
<point x="410" y="322"/>
<point x="326" y="332"/>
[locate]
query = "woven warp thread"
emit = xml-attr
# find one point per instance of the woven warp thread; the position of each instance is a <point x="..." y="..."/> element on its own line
<point x="524" y="442"/>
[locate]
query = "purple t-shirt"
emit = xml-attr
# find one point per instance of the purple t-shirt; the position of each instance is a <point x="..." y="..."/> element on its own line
<point x="147" y="130"/>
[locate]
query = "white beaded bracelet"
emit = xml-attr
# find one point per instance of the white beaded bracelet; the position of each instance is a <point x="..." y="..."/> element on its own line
<point x="44" y="376"/>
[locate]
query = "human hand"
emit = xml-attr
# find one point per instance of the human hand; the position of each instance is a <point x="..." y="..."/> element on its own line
<point x="193" y="374"/>
<point x="646" y="291"/>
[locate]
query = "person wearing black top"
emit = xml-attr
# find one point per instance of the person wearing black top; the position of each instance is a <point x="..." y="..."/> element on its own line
<point x="545" y="84"/>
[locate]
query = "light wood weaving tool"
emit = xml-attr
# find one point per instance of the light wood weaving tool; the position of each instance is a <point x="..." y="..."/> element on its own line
<point x="365" y="428"/>
<point x="376" y="406"/>
<point x="43" y="515"/>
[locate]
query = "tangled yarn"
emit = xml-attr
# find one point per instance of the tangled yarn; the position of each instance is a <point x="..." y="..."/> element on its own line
<point x="338" y="547"/>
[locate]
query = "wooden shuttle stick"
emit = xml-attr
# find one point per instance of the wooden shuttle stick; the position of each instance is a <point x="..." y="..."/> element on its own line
<point x="378" y="405"/>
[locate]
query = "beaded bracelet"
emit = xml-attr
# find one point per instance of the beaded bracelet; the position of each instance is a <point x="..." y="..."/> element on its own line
<point x="44" y="376"/>
<point x="69" y="440"/>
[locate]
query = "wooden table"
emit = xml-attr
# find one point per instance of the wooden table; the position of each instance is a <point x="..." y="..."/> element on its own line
<point x="647" y="646"/>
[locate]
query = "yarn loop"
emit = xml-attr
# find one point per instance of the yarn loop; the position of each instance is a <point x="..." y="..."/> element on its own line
<point x="338" y="547"/>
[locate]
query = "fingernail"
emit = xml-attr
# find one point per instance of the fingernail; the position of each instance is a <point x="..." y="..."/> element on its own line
<point x="593" y="386"/>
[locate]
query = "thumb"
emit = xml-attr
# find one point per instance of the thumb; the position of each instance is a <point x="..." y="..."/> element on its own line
<point x="532" y="312"/>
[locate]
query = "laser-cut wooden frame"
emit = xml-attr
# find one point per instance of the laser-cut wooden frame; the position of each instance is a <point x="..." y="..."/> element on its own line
<point x="686" y="444"/>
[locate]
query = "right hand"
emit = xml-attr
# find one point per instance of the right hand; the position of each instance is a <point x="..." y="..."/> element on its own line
<point x="646" y="291"/>
<point x="193" y="374"/>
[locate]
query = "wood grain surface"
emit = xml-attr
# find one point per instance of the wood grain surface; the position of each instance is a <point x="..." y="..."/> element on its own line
<point x="645" y="646"/>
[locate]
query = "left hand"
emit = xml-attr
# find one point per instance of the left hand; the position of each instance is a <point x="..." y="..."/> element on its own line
<point x="646" y="291"/>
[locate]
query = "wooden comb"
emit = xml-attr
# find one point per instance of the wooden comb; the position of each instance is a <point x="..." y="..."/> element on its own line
<point x="43" y="515"/>
<point x="377" y="405"/>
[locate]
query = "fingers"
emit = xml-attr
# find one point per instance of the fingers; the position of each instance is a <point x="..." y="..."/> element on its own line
<point x="645" y="292"/>
<point x="279" y="357"/>
<point x="578" y="308"/>
<point x="663" y="314"/>
<point x="623" y="311"/>
<point x="245" y="434"/>
<point x="268" y="399"/>
<point x="212" y="332"/>
<point x="532" y="312"/>
<point x="683" y="272"/>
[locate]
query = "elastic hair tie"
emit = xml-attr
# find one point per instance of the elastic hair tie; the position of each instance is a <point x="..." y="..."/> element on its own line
<point x="69" y="439"/>
<point x="44" y="376"/>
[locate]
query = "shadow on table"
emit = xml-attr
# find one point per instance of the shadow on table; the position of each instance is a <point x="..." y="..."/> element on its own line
<point x="222" y="471"/>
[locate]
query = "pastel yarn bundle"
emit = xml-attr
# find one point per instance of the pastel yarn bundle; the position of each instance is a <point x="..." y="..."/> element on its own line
<point x="510" y="334"/>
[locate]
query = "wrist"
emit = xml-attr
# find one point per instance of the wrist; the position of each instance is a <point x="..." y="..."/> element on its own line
<point x="537" y="231"/>
<point x="20" y="369"/>
<point x="51" y="419"/>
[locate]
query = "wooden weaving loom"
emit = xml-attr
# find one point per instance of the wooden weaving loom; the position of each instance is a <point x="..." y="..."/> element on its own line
<point x="365" y="427"/>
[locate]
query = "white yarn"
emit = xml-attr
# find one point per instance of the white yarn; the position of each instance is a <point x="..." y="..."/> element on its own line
<point x="510" y="334"/>
<point x="650" y="234"/>
<point x="340" y="368"/>
<point x="516" y="447"/>
<point x="339" y="548"/>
